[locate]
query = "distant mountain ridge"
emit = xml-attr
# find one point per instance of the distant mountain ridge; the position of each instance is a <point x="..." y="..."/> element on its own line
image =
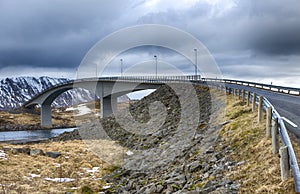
<point x="15" y="91"/>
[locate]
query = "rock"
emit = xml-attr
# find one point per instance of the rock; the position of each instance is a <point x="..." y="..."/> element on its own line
<point x="210" y="151"/>
<point x="178" y="180"/>
<point x="53" y="154"/>
<point x="194" y="166"/>
<point x="137" y="174"/>
<point x="206" y="175"/>
<point x="220" y="190"/>
<point x="151" y="189"/>
<point x="21" y="150"/>
<point x="159" y="188"/>
<point x="6" y="149"/>
<point x="240" y="163"/>
<point x="210" y="186"/>
<point x="169" y="190"/>
<point x="35" y="152"/>
<point x="193" y="192"/>
<point x="142" y="190"/>
<point x="213" y="159"/>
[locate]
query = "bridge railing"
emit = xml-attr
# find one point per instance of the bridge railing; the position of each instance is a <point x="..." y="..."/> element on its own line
<point x="154" y="79"/>
<point x="282" y="89"/>
<point x="198" y="78"/>
<point x="282" y="130"/>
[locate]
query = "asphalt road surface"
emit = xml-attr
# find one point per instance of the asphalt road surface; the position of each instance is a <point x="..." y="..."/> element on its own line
<point x="288" y="106"/>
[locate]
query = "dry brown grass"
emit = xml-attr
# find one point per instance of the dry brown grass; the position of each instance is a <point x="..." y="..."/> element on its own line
<point x="60" y="117"/>
<point x="75" y="160"/>
<point x="24" y="118"/>
<point x="260" y="170"/>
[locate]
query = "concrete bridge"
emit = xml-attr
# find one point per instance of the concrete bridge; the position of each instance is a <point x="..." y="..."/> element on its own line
<point x="108" y="91"/>
<point x="105" y="88"/>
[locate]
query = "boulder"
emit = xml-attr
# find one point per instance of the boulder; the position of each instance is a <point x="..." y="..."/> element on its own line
<point x="35" y="152"/>
<point x="53" y="154"/>
<point x="21" y="150"/>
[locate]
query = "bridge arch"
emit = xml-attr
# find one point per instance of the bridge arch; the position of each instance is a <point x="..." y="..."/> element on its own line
<point x="104" y="89"/>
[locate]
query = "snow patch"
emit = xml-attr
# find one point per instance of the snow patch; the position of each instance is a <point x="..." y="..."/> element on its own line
<point x="59" y="180"/>
<point x="34" y="175"/>
<point x="93" y="170"/>
<point x="106" y="186"/>
<point x="129" y="153"/>
<point x="2" y="155"/>
<point x="57" y="164"/>
<point x="82" y="110"/>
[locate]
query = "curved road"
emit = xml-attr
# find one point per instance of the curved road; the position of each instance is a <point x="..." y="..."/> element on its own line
<point x="288" y="106"/>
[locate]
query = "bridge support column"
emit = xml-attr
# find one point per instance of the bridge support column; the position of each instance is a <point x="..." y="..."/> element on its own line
<point x="46" y="117"/>
<point x="107" y="105"/>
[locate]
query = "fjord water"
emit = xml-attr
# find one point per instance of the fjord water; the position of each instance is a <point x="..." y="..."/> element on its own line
<point x="32" y="135"/>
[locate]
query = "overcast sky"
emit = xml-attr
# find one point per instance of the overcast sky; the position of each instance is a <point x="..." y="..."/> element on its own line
<point x="257" y="40"/>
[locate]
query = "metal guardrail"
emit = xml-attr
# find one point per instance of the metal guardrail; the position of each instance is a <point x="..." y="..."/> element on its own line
<point x="149" y="79"/>
<point x="275" y="88"/>
<point x="198" y="78"/>
<point x="287" y="142"/>
<point x="284" y="138"/>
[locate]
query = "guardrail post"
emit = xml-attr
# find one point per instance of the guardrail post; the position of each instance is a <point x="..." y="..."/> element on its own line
<point x="269" y="122"/>
<point x="239" y="93"/>
<point x="275" y="142"/>
<point x="248" y="98"/>
<point x="243" y="95"/>
<point x="284" y="163"/>
<point x="253" y="102"/>
<point x="260" y="109"/>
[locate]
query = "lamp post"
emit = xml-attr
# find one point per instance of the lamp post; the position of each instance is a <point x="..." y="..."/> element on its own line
<point x="96" y="70"/>
<point x="121" y="61"/>
<point x="155" y="66"/>
<point x="196" y="61"/>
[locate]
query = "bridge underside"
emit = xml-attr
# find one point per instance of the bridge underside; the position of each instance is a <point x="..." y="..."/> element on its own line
<point x="106" y="91"/>
<point x="107" y="106"/>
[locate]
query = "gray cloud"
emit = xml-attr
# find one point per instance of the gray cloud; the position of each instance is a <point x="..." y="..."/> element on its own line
<point x="245" y="35"/>
<point x="53" y="33"/>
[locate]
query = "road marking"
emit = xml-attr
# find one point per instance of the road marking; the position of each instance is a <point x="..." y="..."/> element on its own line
<point x="289" y="121"/>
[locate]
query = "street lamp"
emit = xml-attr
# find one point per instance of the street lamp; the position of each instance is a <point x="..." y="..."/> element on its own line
<point x="196" y="61"/>
<point x="155" y="66"/>
<point x="96" y="70"/>
<point x="121" y="61"/>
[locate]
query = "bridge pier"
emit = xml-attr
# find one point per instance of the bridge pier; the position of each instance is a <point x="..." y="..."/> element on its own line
<point x="46" y="117"/>
<point x="107" y="105"/>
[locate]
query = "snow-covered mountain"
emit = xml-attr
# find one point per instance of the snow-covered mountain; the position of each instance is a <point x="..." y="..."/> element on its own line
<point x="15" y="91"/>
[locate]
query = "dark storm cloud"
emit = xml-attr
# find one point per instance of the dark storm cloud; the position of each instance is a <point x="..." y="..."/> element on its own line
<point x="268" y="27"/>
<point x="277" y="27"/>
<point x="53" y="33"/>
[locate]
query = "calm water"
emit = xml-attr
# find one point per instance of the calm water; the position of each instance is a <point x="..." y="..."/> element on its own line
<point x="32" y="135"/>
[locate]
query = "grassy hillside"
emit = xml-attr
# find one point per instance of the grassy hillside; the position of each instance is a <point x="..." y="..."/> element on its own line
<point x="258" y="170"/>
